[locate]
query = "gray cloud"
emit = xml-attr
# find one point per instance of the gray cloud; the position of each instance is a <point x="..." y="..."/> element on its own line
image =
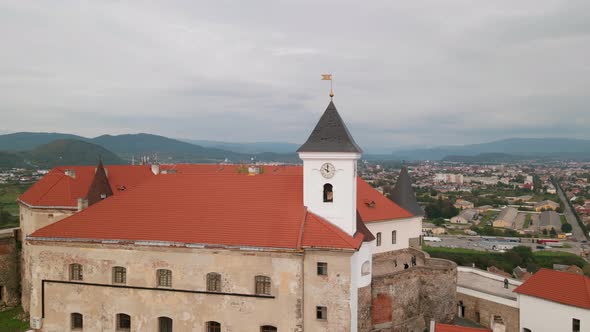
<point x="406" y="73"/>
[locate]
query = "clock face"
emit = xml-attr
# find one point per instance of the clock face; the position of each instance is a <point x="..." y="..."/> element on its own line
<point x="328" y="170"/>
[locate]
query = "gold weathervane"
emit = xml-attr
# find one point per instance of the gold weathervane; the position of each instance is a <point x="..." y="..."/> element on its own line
<point x="328" y="77"/>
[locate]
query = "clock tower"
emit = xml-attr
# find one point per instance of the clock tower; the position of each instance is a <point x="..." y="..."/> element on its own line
<point x="330" y="157"/>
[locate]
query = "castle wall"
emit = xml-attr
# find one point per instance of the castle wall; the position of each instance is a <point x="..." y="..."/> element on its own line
<point x="187" y="302"/>
<point x="407" y="299"/>
<point x="408" y="230"/>
<point x="482" y="311"/>
<point x="9" y="273"/>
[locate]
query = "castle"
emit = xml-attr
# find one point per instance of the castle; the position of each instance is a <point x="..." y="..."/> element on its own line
<point x="230" y="247"/>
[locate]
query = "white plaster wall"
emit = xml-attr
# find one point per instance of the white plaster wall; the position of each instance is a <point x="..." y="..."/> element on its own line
<point x="342" y="211"/>
<point x="540" y="315"/>
<point x="357" y="280"/>
<point x="406" y="228"/>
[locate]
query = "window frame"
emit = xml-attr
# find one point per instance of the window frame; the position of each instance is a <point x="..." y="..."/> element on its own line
<point x="328" y="193"/>
<point x="268" y="328"/>
<point x="161" y="321"/>
<point x="213" y="282"/>
<point x="322" y="268"/>
<point x="394" y="237"/>
<point x="262" y="285"/>
<point x="378" y="239"/>
<point x="211" y="327"/>
<point x="76" y="272"/>
<point x="119" y="320"/>
<point x="576" y="323"/>
<point x="321" y="313"/>
<point x="164" y="278"/>
<point x="122" y="272"/>
<point x="75" y="318"/>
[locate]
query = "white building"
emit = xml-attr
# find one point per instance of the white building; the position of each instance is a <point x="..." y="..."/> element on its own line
<point x="554" y="301"/>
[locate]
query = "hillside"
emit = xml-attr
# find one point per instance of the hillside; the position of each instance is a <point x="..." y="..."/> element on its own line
<point x="25" y="141"/>
<point x="59" y="152"/>
<point x="526" y="147"/>
<point x="249" y="148"/>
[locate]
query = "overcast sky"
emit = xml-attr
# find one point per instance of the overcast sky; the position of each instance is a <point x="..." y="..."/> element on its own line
<point x="406" y="73"/>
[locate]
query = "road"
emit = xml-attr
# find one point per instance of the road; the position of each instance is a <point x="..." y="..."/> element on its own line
<point x="571" y="217"/>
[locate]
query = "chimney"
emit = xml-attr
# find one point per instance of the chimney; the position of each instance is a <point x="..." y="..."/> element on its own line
<point x="82" y="204"/>
<point x="71" y="173"/>
<point x="253" y="170"/>
<point x="155" y="169"/>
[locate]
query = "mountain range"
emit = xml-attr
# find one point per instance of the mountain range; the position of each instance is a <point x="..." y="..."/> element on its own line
<point x="50" y="149"/>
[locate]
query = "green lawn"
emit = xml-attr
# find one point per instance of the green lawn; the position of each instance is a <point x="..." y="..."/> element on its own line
<point x="10" y="322"/>
<point x="505" y="261"/>
<point x="562" y="219"/>
<point x="8" y="195"/>
<point x="527" y="221"/>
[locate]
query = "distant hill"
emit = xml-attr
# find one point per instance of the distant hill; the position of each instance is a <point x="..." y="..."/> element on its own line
<point x="493" y="157"/>
<point x="59" y="152"/>
<point x="25" y="141"/>
<point x="526" y="147"/>
<point x="255" y="147"/>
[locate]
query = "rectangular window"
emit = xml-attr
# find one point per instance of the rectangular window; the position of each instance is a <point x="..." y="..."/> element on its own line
<point x="322" y="269"/>
<point x="262" y="285"/>
<point x="477" y="318"/>
<point x="1" y="293"/>
<point x="321" y="313"/>
<point x="378" y="239"/>
<point x="575" y="325"/>
<point x="76" y="272"/>
<point x="164" y="278"/>
<point x="77" y="321"/>
<point x="393" y="237"/>
<point x="119" y="275"/>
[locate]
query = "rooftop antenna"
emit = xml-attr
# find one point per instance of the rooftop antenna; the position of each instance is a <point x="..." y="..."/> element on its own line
<point x="328" y="77"/>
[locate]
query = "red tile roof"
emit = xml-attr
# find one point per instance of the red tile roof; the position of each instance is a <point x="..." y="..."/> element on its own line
<point x="561" y="287"/>
<point x="230" y="210"/>
<point x="56" y="189"/>
<point x="204" y="204"/>
<point x="373" y="206"/>
<point x="455" y="328"/>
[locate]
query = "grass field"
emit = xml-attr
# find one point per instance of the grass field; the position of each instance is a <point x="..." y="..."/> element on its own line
<point x="506" y="261"/>
<point x="10" y="322"/>
<point x="527" y="221"/>
<point x="8" y="195"/>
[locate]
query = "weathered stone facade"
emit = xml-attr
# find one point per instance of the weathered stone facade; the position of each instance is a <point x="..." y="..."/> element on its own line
<point x="364" y="309"/>
<point x="484" y="312"/>
<point x="9" y="271"/>
<point x="409" y="289"/>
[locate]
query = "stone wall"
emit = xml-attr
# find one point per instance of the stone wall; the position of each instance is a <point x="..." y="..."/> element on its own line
<point x="364" y="309"/>
<point x="9" y="273"/>
<point x="483" y="312"/>
<point x="407" y="299"/>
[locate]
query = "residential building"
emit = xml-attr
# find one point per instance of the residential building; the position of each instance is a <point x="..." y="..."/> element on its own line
<point x="463" y="204"/>
<point x="465" y="216"/>
<point x="546" y="205"/>
<point x="554" y="301"/>
<point x="506" y="218"/>
<point x="549" y="220"/>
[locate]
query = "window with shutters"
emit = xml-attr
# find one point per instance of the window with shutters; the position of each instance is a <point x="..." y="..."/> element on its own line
<point x="214" y="282"/>
<point x="164" y="278"/>
<point x="75" y="272"/>
<point x="213" y="327"/>
<point x="119" y="275"/>
<point x="123" y="322"/>
<point x="77" y="321"/>
<point x="262" y="285"/>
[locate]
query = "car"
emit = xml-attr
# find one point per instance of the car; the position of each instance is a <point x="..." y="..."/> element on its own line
<point x="540" y="247"/>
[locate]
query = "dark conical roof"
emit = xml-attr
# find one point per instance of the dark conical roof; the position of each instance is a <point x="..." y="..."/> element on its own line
<point x="330" y="135"/>
<point x="100" y="187"/>
<point x="403" y="194"/>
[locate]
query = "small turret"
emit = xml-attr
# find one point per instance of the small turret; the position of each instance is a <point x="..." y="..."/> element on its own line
<point x="403" y="194"/>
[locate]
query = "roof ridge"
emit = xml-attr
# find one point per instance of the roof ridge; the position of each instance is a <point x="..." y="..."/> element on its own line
<point x="302" y="228"/>
<point x="61" y="176"/>
<point x="326" y="224"/>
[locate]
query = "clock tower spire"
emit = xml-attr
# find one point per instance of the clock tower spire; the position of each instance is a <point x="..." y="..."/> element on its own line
<point x="330" y="157"/>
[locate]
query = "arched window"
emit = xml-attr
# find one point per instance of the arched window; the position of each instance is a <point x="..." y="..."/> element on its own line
<point x="119" y="275"/>
<point x="393" y="237"/>
<point x="268" y="328"/>
<point x="77" y="321"/>
<point x="328" y="193"/>
<point x="75" y="272"/>
<point x="164" y="278"/>
<point x="366" y="268"/>
<point x="214" y="282"/>
<point x="378" y="239"/>
<point x="123" y="322"/>
<point x="262" y="285"/>
<point x="213" y="327"/>
<point x="165" y="324"/>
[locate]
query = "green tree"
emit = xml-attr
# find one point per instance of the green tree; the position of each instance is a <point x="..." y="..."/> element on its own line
<point x="566" y="228"/>
<point x="553" y="232"/>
